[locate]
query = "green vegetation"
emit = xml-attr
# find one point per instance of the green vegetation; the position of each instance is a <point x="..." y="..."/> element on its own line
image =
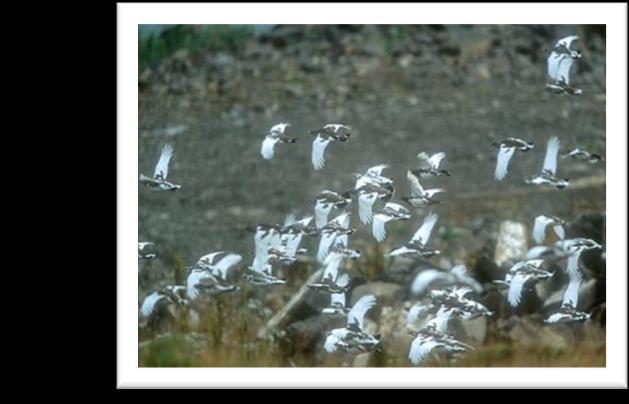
<point x="155" y="47"/>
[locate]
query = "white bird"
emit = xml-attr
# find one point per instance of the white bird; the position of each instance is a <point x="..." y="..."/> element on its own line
<point x="390" y="212"/>
<point x="547" y="176"/>
<point x="368" y="194"/>
<point x="211" y="277"/>
<point x="158" y="182"/>
<point x="582" y="155"/>
<point x="417" y="245"/>
<point x="560" y="62"/>
<point x="574" y="247"/>
<point x="331" y="282"/>
<point x="275" y="135"/>
<point x="352" y="337"/>
<point x="428" y="339"/>
<point x="373" y="176"/>
<point x="429" y="165"/>
<point x="266" y="237"/>
<point x="143" y="255"/>
<point x="506" y="149"/>
<point x="337" y="300"/>
<point x="166" y="296"/>
<point x="291" y="236"/>
<point x="568" y="311"/>
<point x="525" y="276"/>
<point x="541" y="222"/>
<point x="325" y="202"/>
<point x="420" y="197"/>
<point x="334" y="233"/>
<point x="453" y="298"/>
<point x="324" y="136"/>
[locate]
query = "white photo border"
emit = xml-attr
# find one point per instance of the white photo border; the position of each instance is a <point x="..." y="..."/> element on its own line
<point x="614" y="15"/>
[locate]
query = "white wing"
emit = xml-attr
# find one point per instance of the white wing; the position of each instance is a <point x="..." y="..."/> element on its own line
<point x="336" y="126"/>
<point x="161" y="169"/>
<point x="365" y="206"/>
<point x="504" y="155"/>
<point x="339" y="298"/>
<point x="559" y="231"/>
<point x="148" y="305"/>
<point x="539" y="228"/>
<point x="413" y="182"/>
<point x="567" y="41"/>
<point x="357" y="313"/>
<point x="550" y="161"/>
<point x="208" y="259"/>
<point x="322" y="210"/>
<point x="572" y="266"/>
<point x="462" y="275"/>
<point x="143" y="244"/>
<point x="515" y="289"/>
<point x="440" y="322"/>
<point x="436" y="158"/>
<point x="228" y="261"/>
<point x="423" y="233"/>
<point x="571" y="295"/>
<point x="327" y="238"/>
<point x="420" y="347"/>
<point x="553" y="318"/>
<point x="332" y="263"/>
<point x="280" y="127"/>
<point x="563" y="68"/>
<point x="553" y="65"/>
<point x="330" y="343"/>
<point x="342" y="220"/>
<point x="318" y="148"/>
<point x="194" y="279"/>
<point x="290" y="219"/>
<point x="377" y="170"/>
<point x="292" y="243"/>
<point x="414" y="313"/>
<point x="422" y="281"/>
<point x="378" y="227"/>
<point x="432" y="192"/>
<point x="460" y="292"/>
<point x="267" y="147"/>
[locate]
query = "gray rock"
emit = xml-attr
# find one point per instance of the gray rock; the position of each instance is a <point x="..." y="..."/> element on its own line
<point x="511" y="244"/>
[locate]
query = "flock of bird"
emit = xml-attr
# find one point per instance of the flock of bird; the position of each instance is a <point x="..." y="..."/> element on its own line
<point x="448" y="292"/>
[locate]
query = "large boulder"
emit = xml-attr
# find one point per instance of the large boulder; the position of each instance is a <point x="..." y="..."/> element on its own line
<point x="511" y="244"/>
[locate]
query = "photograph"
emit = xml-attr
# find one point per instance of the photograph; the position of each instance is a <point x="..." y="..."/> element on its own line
<point x="426" y="197"/>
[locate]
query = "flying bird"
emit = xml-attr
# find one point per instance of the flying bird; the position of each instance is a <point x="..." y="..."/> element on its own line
<point x="574" y="247"/>
<point x="330" y="279"/>
<point x="429" y="339"/>
<point x="417" y="245"/>
<point x="560" y="62"/>
<point x="368" y="194"/>
<point x="334" y="233"/>
<point x="325" y="202"/>
<point x="454" y="298"/>
<point x="352" y="338"/>
<point x="142" y="254"/>
<point x="432" y="278"/>
<point x="542" y="222"/>
<point x="373" y="176"/>
<point x="323" y="137"/>
<point x="390" y="212"/>
<point x="337" y="300"/>
<point x="158" y="182"/>
<point x="547" y="176"/>
<point x="275" y="135"/>
<point x="420" y="197"/>
<point x="429" y="165"/>
<point x="582" y="155"/>
<point x="524" y="274"/>
<point x="155" y="302"/>
<point x="568" y="312"/>
<point x="506" y="148"/>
